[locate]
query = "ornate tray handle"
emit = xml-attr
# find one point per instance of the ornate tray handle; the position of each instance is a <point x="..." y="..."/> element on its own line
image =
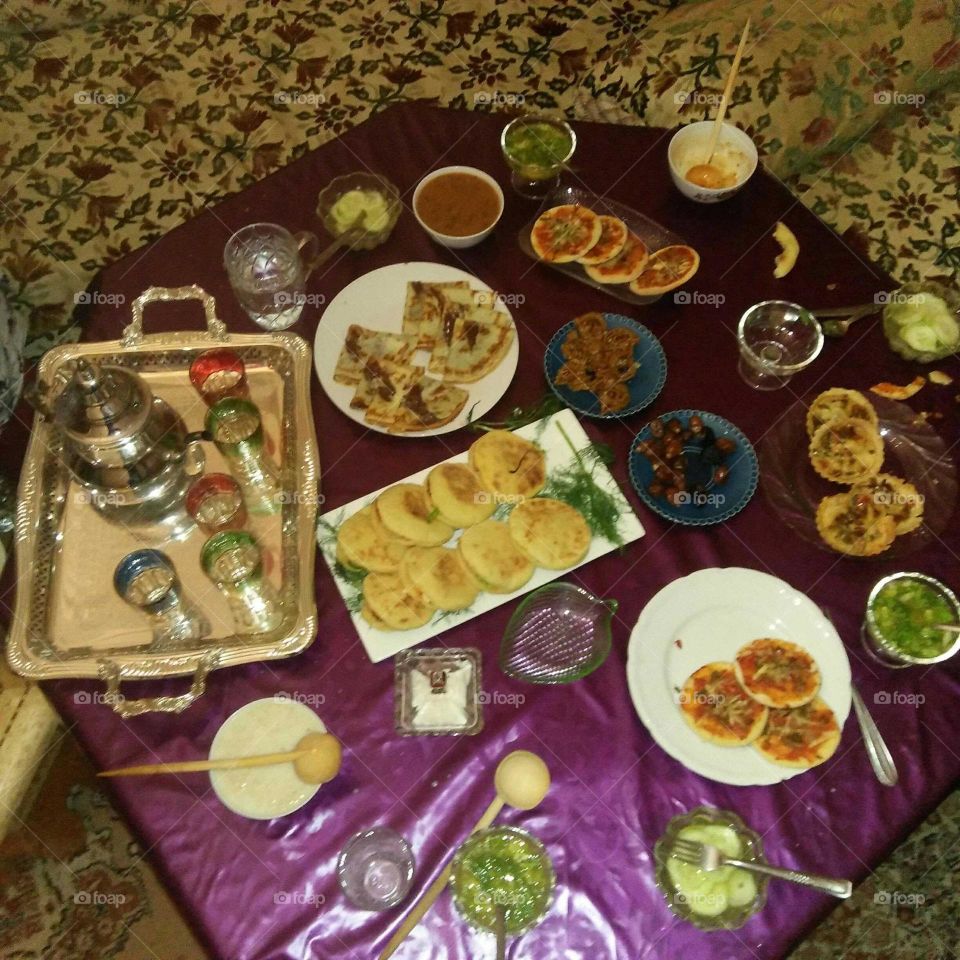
<point x="133" y="332"/>
<point x="112" y="675"/>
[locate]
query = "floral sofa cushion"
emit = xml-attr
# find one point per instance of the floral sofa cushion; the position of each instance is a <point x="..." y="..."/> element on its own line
<point x="815" y="76"/>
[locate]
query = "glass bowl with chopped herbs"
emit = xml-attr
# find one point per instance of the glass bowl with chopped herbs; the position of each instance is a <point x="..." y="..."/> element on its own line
<point x="904" y="614"/>
<point x="502" y="867"/>
<point x="537" y="147"/>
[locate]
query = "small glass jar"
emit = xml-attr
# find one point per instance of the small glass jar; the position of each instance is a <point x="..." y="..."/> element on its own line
<point x="237" y="429"/>
<point x="215" y="501"/>
<point x="375" y="869"/>
<point x="147" y="580"/>
<point x="219" y="373"/>
<point x="234" y="562"/>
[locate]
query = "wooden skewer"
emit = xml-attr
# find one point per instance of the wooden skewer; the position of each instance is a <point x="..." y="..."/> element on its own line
<point x="195" y="766"/>
<point x="437" y="887"/>
<point x="727" y="90"/>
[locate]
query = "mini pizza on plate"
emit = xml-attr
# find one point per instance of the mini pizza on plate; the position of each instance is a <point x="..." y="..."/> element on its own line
<point x="564" y="233"/>
<point x="777" y="673"/>
<point x="802" y="737"/>
<point x="613" y="238"/>
<point x="718" y="709"/>
<point x="628" y="264"/>
<point x="846" y="450"/>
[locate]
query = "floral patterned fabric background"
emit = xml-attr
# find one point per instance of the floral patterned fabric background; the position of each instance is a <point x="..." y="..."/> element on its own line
<point x="122" y="120"/>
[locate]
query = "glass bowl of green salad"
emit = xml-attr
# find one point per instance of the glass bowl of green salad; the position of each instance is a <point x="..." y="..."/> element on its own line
<point x="537" y="147"/>
<point x="921" y="321"/>
<point x="502" y="866"/>
<point x="721" y="899"/>
<point x="904" y="611"/>
<point x="363" y="201"/>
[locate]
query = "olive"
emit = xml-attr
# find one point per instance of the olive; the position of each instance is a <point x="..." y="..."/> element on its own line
<point x="725" y="445"/>
<point x="674" y="426"/>
<point x="656" y="428"/>
<point x="720" y="474"/>
<point x="655" y="489"/>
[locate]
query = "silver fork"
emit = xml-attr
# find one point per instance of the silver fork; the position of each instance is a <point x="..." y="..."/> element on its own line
<point x="707" y="857"/>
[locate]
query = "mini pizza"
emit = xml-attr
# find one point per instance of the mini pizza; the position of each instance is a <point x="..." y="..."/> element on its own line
<point x="667" y="268"/>
<point x="777" y="673"/>
<point x="564" y="233"/>
<point x="802" y="737"/>
<point x="837" y="403"/>
<point x="627" y="265"/>
<point x="894" y="497"/>
<point x="846" y="450"/>
<point x="851" y="523"/>
<point x="718" y="709"/>
<point x="613" y="238"/>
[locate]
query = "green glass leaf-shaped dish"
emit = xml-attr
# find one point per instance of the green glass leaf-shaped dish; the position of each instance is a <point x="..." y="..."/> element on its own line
<point x="557" y="634"/>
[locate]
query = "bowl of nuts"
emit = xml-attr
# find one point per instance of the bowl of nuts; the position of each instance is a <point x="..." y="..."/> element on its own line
<point x="693" y="467"/>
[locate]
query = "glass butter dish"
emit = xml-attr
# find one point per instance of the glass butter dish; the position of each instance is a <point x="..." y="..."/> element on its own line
<point x="437" y="692"/>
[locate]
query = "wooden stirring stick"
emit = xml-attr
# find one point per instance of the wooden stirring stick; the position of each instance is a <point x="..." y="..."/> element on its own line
<point x="727" y="90"/>
<point x="195" y="766"/>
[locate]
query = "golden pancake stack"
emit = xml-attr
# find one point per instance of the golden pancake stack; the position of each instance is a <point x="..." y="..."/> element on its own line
<point x="846" y="447"/>
<point x="402" y="540"/>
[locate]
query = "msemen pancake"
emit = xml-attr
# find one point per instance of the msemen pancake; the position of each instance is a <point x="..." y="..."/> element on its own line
<point x="508" y="464"/>
<point x="551" y="533"/>
<point x="458" y="495"/>
<point x="394" y="604"/>
<point x="491" y="555"/>
<point x="441" y="576"/>
<point x="363" y="542"/>
<point x="405" y="511"/>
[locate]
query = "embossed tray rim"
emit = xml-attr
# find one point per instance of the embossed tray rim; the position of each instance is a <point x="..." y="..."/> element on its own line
<point x="32" y="500"/>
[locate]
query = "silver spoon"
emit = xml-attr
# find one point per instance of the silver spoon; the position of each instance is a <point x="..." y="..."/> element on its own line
<point x="879" y="753"/>
<point x="881" y="760"/>
<point x="838" y="327"/>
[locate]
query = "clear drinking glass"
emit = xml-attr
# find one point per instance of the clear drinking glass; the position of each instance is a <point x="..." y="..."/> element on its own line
<point x="777" y="339"/>
<point x="375" y="869"/>
<point x="237" y="430"/>
<point x="267" y="272"/>
<point x="527" y="140"/>
<point x="147" y="580"/>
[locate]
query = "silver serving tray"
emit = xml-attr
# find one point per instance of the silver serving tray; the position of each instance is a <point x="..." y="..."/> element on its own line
<point x="68" y="621"/>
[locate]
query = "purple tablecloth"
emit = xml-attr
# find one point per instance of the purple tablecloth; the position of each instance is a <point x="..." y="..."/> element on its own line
<point x="267" y="890"/>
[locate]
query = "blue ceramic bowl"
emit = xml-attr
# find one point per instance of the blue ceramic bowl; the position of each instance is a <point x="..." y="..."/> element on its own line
<point x="719" y="502"/>
<point x="644" y="386"/>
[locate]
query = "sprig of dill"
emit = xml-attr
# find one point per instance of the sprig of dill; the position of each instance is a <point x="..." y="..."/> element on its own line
<point x="547" y="405"/>
<point x="576" y="485"/>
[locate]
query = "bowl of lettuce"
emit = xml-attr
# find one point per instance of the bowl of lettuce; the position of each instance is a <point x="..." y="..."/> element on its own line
<point x="921" y="321"/>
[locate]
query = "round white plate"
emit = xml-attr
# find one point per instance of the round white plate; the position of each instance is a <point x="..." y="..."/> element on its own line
<point x="271" y="725"/>
<point x="708" y="616"/>
<point x="376" y="300"/>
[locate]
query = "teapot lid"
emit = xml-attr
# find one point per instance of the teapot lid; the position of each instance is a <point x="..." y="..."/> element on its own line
<point x="102" y="401"/>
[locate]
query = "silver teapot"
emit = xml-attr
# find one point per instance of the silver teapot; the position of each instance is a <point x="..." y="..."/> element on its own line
<point x="129" y="449"/>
